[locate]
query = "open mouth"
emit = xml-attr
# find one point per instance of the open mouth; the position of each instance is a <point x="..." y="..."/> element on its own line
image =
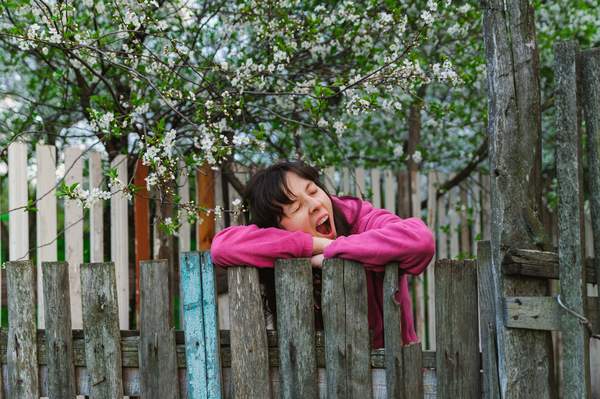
<point x="324" y="226"/>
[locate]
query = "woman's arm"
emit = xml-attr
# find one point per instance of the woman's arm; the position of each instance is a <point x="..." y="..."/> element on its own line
<point x="383" y="238"/>
<point x="254" y="246"/>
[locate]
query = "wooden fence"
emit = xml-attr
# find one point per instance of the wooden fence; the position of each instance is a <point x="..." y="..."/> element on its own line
<point x="295" y="361"/>
<point x="65" y="231"/>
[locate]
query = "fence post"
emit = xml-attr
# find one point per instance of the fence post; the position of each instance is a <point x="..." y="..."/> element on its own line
<point x="575" y="362"/>
<point x="101" y="329"/>
<point x="393" y="334"/>
<point x="347" y="346"/>
<point x="22" y="340"/>
<point x="158" y="359"/>
<point x="59" y="338"/>
<point x="457" y="354"/>
<point x="249" y="356"/>
<point x="296" y="329"/>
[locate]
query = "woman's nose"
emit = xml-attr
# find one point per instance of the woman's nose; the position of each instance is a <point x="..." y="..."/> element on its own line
<point x="313" y="204"/>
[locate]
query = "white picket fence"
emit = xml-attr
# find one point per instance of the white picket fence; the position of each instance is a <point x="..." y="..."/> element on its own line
<point x="447" y="216"/>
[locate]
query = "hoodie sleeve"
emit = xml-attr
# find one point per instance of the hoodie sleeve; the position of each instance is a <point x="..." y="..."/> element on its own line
<point x="382" y="237"/>
<point x="254" y="246"/>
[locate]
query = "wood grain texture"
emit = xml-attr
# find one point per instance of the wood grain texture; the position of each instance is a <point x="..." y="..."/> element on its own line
<point x="458" y="332"/>
<point x="101" y="327"/>
<point x="487" y="321"/>
<point x="412" y="358"/>
<point x="157" y="335"/>
<point x="249" y="361"/>
<point x="46" y="217"/>
<point x="346" y="332"/>
<point x="21" y="346"/>
<point x="392" y="333"/>
<point x="59" y="338"/>
<point x="296" y="329"/>
<point x="514" y="126"/>
<point x="574" y="336"/>
<point x="205" y="194"/>
<point x="74" y="232"/>
<point x="210" y="318"/>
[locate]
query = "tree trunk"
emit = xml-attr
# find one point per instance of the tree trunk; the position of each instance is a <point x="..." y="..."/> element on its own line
<point x="524" y="362"/>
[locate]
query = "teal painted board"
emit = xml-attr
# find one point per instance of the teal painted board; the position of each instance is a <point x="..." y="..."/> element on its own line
<point x="191" y="294"/>
<point x="211" y="327"/>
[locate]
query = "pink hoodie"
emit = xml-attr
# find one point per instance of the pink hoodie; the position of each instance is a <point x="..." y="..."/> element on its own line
<point x="378" y="237"/>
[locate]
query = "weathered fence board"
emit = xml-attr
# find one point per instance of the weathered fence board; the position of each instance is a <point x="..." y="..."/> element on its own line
<point x="21" y="346"/>
<point x="574" y="337"/>
<point x="119" y="241"/>
<point x="487" y="321"/>
<point x="296" y="329"/>
<point x="346" y="333"/>
<point x="394" y="368"/>
<point x="376" y="187"/>
<point x="59" y="338"/>
<point x="412" y="359"/>
<point x="248" y="335"/>
<point x="141" y="221"/>
<point x="456" y="318"/>
<point x="430" y="273"/>
<point x="157" y="335"/>
<point x="101" y="327"/>
<point x="45" y="217"/>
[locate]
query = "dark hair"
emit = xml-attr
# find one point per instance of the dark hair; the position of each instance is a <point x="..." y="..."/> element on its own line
<point x="267" y="191"/>
<point x="265" y="194"/>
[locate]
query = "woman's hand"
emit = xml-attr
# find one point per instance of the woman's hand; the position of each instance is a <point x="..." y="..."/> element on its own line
<point x="317" y="261"/>
<point x="319" y="244"/>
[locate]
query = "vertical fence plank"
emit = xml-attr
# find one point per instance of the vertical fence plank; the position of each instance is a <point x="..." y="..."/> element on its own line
<point x="18" y="224"/>
<point x="412" y="358"/>
<point x="191" y="295"/>
<point x="389" y="193"/>
<point x="360" y="183"/>
<point x="158" y="359"/>
<point x="442" y="224"/>
<point x="454" y="220"/>
<point x="476" y="212"/>
<point x="457" y="354"/>
<point x="574" y="335"/>
<point x="119" y="241"/>
<point x="430" y="274"/>
<point x="59" y="339"/>
<point x="219" y="223"/>
<point x="296" y="329"/>
<point x="211" y="326"/>
<point x="205" y="194"/>
<point x="330" y="180"/>
<point x="591" y="107"/>
<point x="184" y="195"/>
<point x="101" y="329"/>
<point x="465" y="229"/>
<point x="141" y="221"/>
<point x="376" y="187"/>
<point x="96" y="211"/>
<point x="45" y="217"/>
<point x="487" y="321"/>
<point x="74" y="232"/>
<point x="22" y="341"/>
<point x="346" y="181"/>
<point x="249" y="356"/>
<point x="347" y="346"/>
<point x="418" y="283"/>
<point x="392" y="334"/>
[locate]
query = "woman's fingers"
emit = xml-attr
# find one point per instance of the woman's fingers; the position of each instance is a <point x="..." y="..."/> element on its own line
<point x="317" y="261"/>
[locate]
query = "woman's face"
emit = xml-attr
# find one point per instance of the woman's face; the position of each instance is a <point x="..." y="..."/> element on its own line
<point x="311" y="210"/>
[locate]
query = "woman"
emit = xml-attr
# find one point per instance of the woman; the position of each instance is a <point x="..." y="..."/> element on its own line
<point x="293" y="216"/>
